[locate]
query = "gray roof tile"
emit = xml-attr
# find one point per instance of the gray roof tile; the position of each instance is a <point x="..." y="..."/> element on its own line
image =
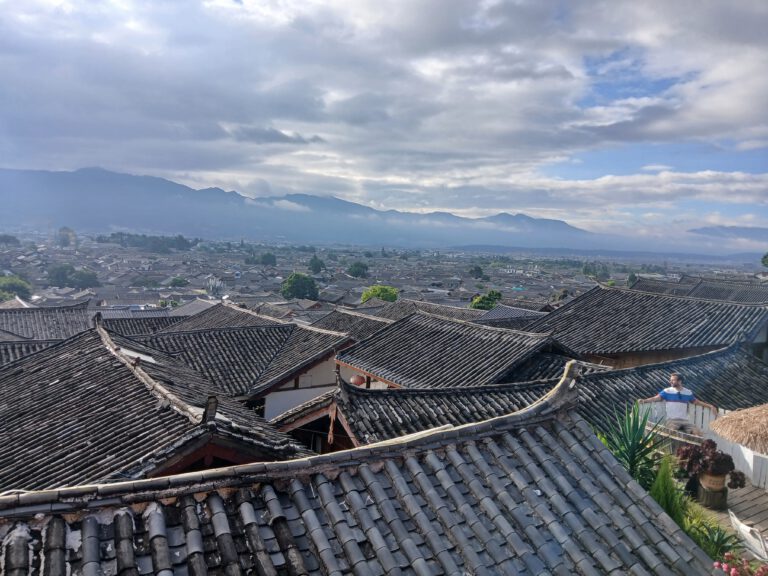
<point x="503" y="496"/>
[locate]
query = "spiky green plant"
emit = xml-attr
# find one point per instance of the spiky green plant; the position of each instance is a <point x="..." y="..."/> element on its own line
<point x="713" y="538"/>
<point x="633" y="445"/>
<point x="666" y="492"/>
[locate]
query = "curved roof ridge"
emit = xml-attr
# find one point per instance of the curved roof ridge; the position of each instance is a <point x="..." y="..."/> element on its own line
<point x="253" y="312"/>
<point x="676" y="297"/>
<point x="395" y="392"/>
<point x="476" y="325"/>
<point x="194" y="416"/>
<point x="358" y="314"/>
<point x="281" y="326"/>
<point x="66" y="308"/>
<point x="560" y="399"/>
<point x="321" y="330"/>
<point x="727" y="350"/>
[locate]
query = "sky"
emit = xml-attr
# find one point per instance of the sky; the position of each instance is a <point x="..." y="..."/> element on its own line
<point x="646" y="118"/>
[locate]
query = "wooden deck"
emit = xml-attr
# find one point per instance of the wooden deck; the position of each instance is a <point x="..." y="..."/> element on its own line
<point x="750" y="505"/>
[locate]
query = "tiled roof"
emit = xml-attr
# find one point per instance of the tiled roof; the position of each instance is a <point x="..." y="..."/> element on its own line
<point x="404" y="307"/>
<point x="377" y="415"/>
<point x="84" y="411"/>
<point x="54" y="323"/>
<point x="503" y="312"/>
<point x="358" y="325"/>
<point x="613" y="320"/>
<point x="533" y="305"/>
<point x="128" y="313"/>
<point x="272" y="310"/>
<point x="745" y="292"/>
<point x="13" y="350"/>
<point x="134" y="326"/>
<point x="15" y="302"/>
<point x="220" y="316"/>
<point x="245" y="360"/>
<point x="533" y="493"/>
<point x="426" y="351"/>
<point x="191" y="308"/>
<point x="546" y="365"/>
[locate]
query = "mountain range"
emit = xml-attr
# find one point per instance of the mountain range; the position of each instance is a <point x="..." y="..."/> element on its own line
<point x="97" y="200"/>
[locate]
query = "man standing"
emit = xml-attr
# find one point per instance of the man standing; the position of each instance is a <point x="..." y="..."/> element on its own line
<point x="676" y="398"/>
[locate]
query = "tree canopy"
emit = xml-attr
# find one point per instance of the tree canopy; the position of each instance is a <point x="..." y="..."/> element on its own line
<point x="9" y="240"/>
<point x="179" y="282"/>
<point x="268" y="259"/>
<point x="299" y="285"/>
<point x="486" y="301"/>
<point x="158" y="244"/>
<point x="380" y="291"/>
<point x="476" y="271"/>
<point x="765" y="260"/>
<point x="11" y="286"/>
<point x="66" y="275"/>
<point x="358" y="270"/>
<point x="316" y="265"/>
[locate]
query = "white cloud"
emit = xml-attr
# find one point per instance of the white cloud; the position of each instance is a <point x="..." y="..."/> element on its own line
<point x="656" y="168"/>
<point x="422" y="104"/>
<point x="291" y="206"/>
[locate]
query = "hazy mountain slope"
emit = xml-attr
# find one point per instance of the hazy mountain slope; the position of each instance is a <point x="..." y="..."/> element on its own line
<point x="93" y="199"/>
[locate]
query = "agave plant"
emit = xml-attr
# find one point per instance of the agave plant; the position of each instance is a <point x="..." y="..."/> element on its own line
<point x="634" y="444"/>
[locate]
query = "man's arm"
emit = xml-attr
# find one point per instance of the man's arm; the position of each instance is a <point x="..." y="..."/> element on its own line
<point x="712" y="407"/>
<point x="656" y="398"/>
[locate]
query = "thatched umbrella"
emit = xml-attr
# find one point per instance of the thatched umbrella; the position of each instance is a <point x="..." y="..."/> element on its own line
<point x="748" y="427"/>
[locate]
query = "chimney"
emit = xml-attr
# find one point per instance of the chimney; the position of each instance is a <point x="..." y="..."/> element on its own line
<point x="209" y="415"/>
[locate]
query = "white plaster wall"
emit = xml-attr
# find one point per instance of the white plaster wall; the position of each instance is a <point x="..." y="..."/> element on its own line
<point x="280" y="401"/>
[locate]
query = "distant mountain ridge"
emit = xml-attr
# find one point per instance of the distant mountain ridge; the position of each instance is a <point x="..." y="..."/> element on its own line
<point x="97" y="200"/>
<point x="757" y="233"/>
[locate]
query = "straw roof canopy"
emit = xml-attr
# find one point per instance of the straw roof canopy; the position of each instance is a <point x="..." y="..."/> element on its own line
<point x="748" y="427"/>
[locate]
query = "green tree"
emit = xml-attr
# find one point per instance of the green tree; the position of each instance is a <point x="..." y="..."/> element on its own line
<point x="476" y="271"/>
<point x="84" y="279"/>
<point x="268" y="259"/>
<point x="8" y="240"/>
<point x="59" y="275"/>
<point x="315" y="264"/>
<point x="299" y="285"/>
<point x="631" y="279"/>
<point x="486" y="301"/>
<point x="11" y="286"/>
<point x="388" y="293"/>
<point x="179" y="282"/>
<point x="358" y="270"/>
<point x="764" y="260"/>
<point x="66" y="275"/>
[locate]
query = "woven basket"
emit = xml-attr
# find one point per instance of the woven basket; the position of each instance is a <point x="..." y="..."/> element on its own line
<point x="711" y="482"/>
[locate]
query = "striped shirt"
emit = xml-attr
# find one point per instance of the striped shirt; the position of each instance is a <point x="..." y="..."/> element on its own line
<point x="676" y="402"/>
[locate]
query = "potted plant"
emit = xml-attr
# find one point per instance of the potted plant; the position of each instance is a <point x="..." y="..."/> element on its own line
<point x="709" y="467"/>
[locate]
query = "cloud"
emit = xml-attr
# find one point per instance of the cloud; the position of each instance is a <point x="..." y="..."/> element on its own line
<point x="425" y="105"/>
<point x="290" y="206"/>
<point x="656" y="168"/>
<point x="259" y="135"/>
